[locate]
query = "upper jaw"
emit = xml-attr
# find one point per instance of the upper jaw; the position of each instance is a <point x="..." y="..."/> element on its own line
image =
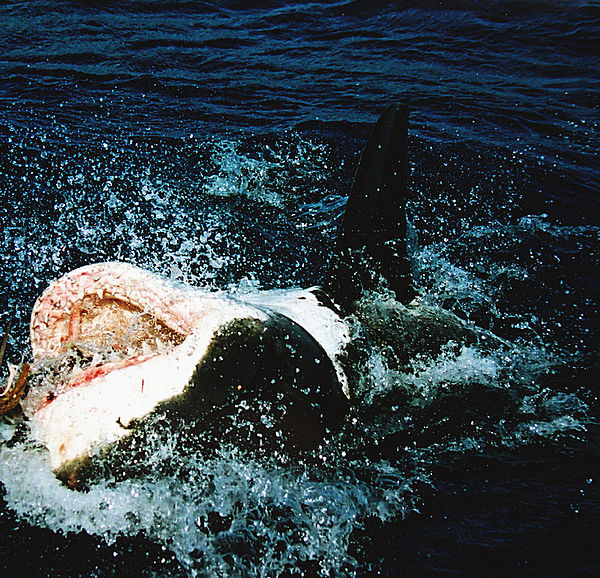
<point x="102" y="300"/>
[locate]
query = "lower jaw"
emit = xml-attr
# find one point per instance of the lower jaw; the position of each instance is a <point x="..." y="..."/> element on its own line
<point x="102" y="404"/>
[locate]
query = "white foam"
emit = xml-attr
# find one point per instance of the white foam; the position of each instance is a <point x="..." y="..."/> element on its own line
<point x="285" y="515"/>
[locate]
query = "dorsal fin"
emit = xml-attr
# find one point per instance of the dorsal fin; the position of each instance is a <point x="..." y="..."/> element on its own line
<point x="371" y="243"/>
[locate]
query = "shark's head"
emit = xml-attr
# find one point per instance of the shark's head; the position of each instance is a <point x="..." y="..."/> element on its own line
<point x="115" y="344"/>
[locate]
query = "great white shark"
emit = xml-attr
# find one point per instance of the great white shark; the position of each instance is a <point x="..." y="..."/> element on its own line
<point x="120" y="344"/>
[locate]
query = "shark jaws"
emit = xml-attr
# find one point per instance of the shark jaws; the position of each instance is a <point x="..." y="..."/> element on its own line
<point x="121" y="345"/>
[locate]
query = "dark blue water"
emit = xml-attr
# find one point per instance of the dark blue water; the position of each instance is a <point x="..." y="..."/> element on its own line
<point x="215" y="143"/>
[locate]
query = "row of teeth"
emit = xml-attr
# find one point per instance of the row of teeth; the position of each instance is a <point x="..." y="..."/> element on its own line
<point x="51" y="313"/>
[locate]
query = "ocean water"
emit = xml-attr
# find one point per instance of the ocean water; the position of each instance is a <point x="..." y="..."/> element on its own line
<point x="214" y="143"/>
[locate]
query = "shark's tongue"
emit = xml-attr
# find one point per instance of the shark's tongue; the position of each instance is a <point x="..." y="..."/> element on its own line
<point x="88" y="375"/>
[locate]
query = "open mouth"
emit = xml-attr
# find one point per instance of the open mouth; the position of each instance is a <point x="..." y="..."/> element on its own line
<point x="102" y="318"/>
